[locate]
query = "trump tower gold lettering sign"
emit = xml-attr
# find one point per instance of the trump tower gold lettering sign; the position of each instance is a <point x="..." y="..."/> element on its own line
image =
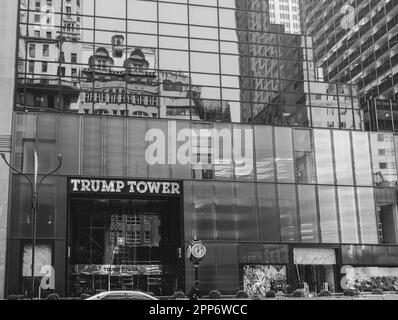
<point x="132" y="187"/>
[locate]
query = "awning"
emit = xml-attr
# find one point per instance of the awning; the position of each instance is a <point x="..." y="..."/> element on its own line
<point x="314" y="256"/>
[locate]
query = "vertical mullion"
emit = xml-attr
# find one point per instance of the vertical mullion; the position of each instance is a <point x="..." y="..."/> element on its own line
<point x="94" y="57"/>
<point x="219" y="57"/>
<point x="59" y="56"/>
<point x="126" y="75"/>
<point x="26" y="52"/>
<point x="157" y="67"/>
<point x="189" y="58"/>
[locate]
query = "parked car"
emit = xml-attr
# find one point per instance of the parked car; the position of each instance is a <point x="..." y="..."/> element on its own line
<point x="122" y="295"/>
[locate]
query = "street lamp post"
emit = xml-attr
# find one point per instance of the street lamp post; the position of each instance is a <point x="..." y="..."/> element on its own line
<point x="35" y="189"/>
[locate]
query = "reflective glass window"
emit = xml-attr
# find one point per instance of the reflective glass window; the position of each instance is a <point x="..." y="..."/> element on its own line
<point x="304" y="160"/>
<point x="367" y="215"/>
<point x="362" y="161"/>
<point x="284" y="154"/>
<point x="308" y="214"/>
<point x="324" y="156"/>
<point x="348" y="215"/>
<point x="288" y="213"/>
<point x="328" y="214"/>
<point x="343" y="159"/>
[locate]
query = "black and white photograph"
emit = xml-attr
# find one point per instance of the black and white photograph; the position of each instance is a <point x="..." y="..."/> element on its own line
<point x="217" y="152"/>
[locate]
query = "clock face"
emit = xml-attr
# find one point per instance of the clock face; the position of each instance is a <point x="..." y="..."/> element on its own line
<point x="198" y="251"/>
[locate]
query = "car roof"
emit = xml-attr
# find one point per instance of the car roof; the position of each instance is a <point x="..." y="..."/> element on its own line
<point x="124" y="293"/>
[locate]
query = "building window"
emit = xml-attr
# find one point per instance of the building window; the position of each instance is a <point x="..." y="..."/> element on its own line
<point x="73" y="58"/>
<point x="44" y="67"/>
<point x="383" y="165"/>
<point x="32" y="50"/>
<point x="46" y="50"/>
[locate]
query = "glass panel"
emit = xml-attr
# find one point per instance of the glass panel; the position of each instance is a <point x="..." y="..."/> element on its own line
<point x="136" y="164"/>
<point x="68" y="144"/>
<point x="363" y="172"/>
<point x="115" y="165"/>
<point x="188" y="211"/>
<point x="343" y="159"/>
<point x="223" y="162"/>
<point x="324" y="157"/>
<point x="92" y="147"/>
<point x="383" y="157"/>
<point x="328" y="214"/>
<point x="308" y="214"/>
<point x="246" y="211"/>
<point x="225" y="211"/>
<point x="264" y="153"/>
<point x="268" y="214"/>
<point x="243" y="152"/>
<point x="304" y="156"/>
<point x="288" y="213"/>
<point x="203" y="206"/>
<point x="348" y="217"/>
<point x="228" y="267"/>
<point x="367" y="215"/>
<point x="160" y="167"/>
<point x="284" y="154"/>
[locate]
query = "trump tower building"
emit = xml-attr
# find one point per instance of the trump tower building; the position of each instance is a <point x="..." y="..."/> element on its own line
<point x="190" y="119"/>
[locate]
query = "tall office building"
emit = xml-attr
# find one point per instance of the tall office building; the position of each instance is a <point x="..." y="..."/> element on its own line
<point x="286" y="13"/>
<point x="194" y="120"/>
<point x="356" y="42"/>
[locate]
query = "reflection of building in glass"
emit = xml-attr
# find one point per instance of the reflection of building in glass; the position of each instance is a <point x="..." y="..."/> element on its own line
<point x="287" y="13"/>
<point x="50" y="54"/>
<point x="129" y="85"/>
<point x="357" y="43"/>
<point x="287" y="191"/>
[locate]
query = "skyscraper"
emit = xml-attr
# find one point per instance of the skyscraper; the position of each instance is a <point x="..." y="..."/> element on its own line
<point x="356" y="42"/>
<point x="191" y="120"/>
<point x="286" y="13"/>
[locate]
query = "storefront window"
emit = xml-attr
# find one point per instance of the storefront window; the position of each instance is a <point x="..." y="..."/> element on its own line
<point x="308" y="214"/>
<point x="288" y="213"/>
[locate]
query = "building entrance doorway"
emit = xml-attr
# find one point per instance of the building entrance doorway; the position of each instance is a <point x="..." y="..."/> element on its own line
<point x="317" y="277"/>
<point x="125" y="244"/>
<point x="316" y="268"/>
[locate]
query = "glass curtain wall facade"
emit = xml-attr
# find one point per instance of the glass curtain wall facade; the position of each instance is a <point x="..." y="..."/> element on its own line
<point x="357" y="42"/>
<point x="301" y="184"/>
<point x="198" y="60"/>
<point x="298" y="188"/>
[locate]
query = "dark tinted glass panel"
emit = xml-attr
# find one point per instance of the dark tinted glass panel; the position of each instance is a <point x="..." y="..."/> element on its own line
<point x="288" y="213"/>
<point x="225" y="211"/>
<point x="268" y="213"/>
